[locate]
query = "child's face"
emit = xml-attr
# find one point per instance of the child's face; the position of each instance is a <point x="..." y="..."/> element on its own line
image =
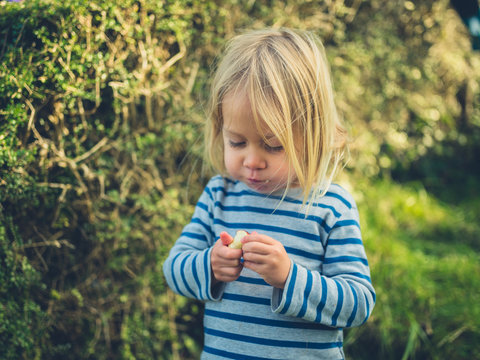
<point x="261" y="165"/>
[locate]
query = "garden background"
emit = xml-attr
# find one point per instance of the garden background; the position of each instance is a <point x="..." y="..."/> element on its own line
<point x="101" y="112"/>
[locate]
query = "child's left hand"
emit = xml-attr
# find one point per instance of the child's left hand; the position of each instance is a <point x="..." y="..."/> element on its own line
<point x="267" y="257"/>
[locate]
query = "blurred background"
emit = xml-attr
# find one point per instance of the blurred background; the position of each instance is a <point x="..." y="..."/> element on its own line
<point x="102" y="105"/>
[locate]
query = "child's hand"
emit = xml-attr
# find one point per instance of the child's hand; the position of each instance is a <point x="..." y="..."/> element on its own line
<point x="225" y="261"/>
<point x="267" y="257"/>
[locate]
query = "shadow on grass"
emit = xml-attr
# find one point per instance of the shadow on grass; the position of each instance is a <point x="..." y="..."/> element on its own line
<point x="450" y="172"/>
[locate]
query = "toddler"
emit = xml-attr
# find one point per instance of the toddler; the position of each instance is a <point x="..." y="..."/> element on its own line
<point x="301" y="275"/>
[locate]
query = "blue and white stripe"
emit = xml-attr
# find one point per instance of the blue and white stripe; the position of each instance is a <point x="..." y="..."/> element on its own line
<point x="328" y="287"/>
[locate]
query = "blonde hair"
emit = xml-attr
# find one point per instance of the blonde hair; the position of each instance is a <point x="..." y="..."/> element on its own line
<point x="286" y="76"/>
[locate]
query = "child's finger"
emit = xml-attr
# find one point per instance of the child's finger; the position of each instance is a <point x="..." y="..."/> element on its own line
<point x="224" y="252"/>
<point x="258" y="238"/>
<point x="256" y="247"/>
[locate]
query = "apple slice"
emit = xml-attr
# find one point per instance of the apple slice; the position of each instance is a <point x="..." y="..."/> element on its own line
<point x="237" y="240"/>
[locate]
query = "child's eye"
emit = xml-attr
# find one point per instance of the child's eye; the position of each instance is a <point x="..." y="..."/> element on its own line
<point x="236" y="144"/>
<point x="273" y="148"/>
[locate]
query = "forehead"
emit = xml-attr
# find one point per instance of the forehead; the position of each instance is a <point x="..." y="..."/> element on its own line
<point x="235" y="101"/>
<point x="236" y="110"/>
<point x="237" y="113"/>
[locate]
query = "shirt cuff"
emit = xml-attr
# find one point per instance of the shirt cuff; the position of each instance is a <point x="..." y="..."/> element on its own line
<point x="279" y="296"/>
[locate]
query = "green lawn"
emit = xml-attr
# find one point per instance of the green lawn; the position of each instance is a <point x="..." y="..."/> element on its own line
<point x="424" y="257"/>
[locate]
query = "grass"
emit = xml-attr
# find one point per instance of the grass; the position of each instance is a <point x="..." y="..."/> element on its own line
<point x="424" y="257"/>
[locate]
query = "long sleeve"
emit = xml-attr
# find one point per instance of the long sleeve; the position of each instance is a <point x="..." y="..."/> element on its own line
<point x="340" y="294"/>
<point x="187" y="268"/>
<point x="328" y="286"/>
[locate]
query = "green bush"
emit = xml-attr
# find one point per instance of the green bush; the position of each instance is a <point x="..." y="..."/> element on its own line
<point x="101" y="111"/>
<point x="93" y="133"/>
<point x="22" y="321"/>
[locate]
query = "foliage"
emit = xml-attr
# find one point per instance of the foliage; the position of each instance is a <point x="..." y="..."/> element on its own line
<point x="18" y="286"/>
<point x="92" y="134"/>
<point x="101" y="109"/>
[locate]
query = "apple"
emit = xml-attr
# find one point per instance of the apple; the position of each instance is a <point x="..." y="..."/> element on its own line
<point x="237" y="240"/>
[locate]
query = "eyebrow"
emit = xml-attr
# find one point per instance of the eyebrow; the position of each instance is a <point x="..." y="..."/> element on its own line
<point x="269" y="136"/>
<point x="230" y="132"/>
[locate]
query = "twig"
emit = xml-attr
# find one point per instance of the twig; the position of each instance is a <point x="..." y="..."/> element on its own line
<point x="45" y="242"/>
<point x="93" y="150"/>
<point x="453" y="335"/>
<point x="175" y="58"/>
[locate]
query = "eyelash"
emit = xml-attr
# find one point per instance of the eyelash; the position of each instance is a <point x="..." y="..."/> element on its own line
<point x="267" y="147"/>
<point x="273" y="148"/>
<point x="234" y="144"/>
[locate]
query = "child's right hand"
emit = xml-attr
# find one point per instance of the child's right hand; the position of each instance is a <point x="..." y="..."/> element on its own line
<point x="225" y="261"/>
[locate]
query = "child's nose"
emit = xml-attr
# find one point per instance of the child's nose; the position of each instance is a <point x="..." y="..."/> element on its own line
<point x="254" y="161"/>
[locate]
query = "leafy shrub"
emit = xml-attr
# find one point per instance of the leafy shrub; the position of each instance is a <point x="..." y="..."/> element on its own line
<point x="21" y="318"/>
<point x="92" y="138"/>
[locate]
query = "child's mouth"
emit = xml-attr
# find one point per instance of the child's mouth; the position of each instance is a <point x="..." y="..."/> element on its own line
<point x="257" y="184"/>
<point x="257" y="181"/>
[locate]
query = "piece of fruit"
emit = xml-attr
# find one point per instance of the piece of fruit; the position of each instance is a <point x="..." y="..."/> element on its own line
<point x="237" y="240"/>
<point x="226" y="238"/>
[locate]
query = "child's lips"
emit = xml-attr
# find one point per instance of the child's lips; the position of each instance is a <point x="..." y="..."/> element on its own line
<point x="257" y="184"/>
<point x="257" y="181"/>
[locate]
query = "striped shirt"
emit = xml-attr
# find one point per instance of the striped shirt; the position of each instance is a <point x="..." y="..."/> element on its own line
<point x="328" y="287"/>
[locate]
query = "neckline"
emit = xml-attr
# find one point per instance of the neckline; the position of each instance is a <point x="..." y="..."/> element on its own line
<point x="292" y="193"/>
